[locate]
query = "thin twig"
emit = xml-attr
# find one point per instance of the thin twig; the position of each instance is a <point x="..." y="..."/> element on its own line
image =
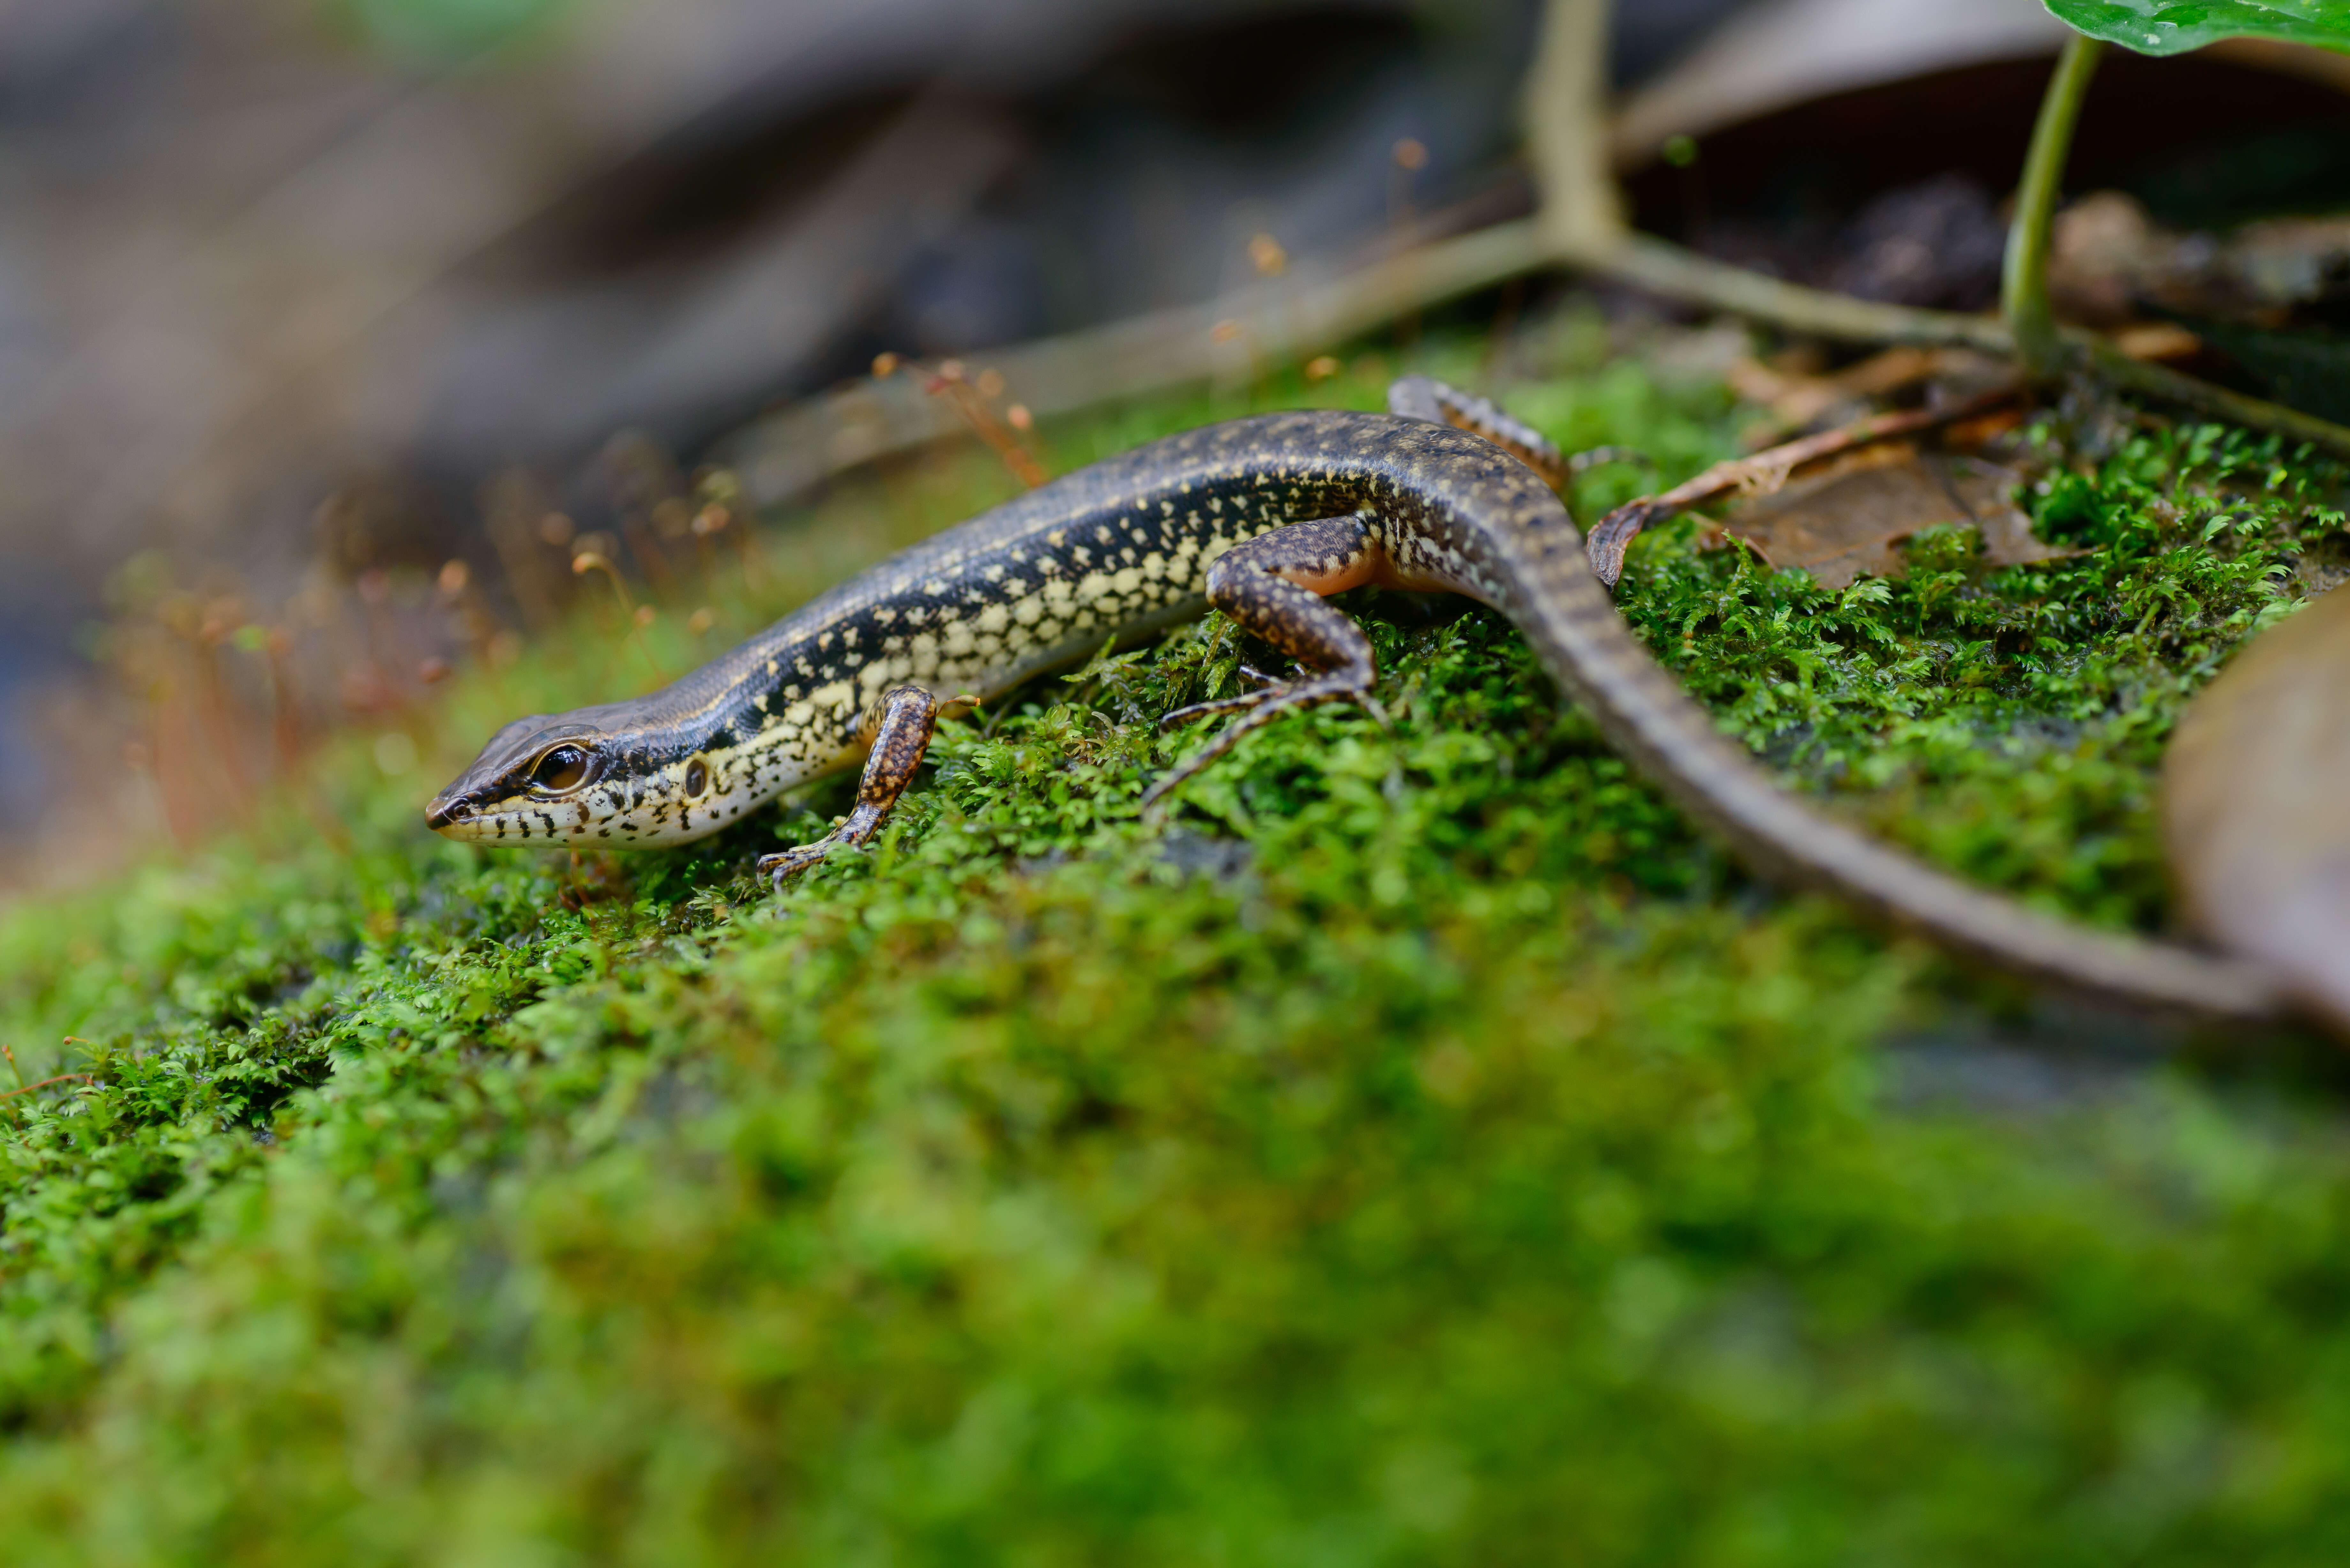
<point x="782" y="455"/>
<point x="1667" y="269"/>
<point x="1661" y="268"/>
<point x="1566" y="128"/>
<point x="1305" y="310"/>
<point x="2153" y="380"/>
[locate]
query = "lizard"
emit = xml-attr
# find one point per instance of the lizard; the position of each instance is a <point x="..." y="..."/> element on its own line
<point x="1261" y="518"/>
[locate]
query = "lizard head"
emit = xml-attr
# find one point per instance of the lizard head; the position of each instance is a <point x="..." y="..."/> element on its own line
<point x="593" y="777"/>
<point x="537" y="779"/>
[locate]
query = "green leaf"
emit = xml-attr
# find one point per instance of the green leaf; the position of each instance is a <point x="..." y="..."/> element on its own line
<point x="2173" y="26"/>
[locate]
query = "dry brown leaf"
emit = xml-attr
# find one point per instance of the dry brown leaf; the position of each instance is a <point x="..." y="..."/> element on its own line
<point x="2256" y="806"/>
<point x="1850" y="516"/>
<point x="2157" y="340"/>
<point x="1797" y="398"/>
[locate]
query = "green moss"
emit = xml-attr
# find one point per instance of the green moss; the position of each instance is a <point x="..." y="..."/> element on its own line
<point x="2010" y="723"/>
<point x="1427" y="1148"/>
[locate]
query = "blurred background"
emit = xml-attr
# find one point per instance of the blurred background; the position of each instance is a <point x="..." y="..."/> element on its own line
<point x="325" y="321"/>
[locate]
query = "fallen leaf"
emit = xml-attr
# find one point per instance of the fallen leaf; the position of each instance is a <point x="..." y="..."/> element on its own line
<point x="1796" y="398"/>
<point x="1849" y="517"/>
<point x="2157" y="340"/>
<point x="1799" y="398"/>
<point x="2256" y="806"/>
<point x="2009" y="541"/>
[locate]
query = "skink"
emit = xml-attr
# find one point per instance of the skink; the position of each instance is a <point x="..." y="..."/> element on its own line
<point x="1259" y="518"/>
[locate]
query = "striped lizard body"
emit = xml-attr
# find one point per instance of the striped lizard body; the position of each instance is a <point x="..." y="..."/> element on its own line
<point x="1260" y="517"/>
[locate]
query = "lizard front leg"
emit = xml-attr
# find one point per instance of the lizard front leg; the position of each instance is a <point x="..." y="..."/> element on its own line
<point x="901" y="723"/>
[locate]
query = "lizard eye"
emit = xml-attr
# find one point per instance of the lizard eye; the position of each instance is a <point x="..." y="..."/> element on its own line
<point x="565" y="767"/>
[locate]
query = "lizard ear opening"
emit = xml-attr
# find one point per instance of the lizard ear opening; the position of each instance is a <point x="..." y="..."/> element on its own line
<point x="697" y="778"/>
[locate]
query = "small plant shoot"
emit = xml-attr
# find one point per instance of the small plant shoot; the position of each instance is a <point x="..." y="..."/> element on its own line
<point x="2149" y="27"/>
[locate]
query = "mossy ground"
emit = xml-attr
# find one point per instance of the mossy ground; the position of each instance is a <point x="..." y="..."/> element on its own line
<point x="1426" y="1150"/>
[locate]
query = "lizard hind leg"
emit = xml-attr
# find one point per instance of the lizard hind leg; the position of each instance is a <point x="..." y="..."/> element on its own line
<point x="1272" y="587"/>
<point x="1439" y="403"/>
<point x="900" y="723"/>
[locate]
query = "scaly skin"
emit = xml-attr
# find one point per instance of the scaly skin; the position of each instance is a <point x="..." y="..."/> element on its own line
<point x="1127" y="545"/>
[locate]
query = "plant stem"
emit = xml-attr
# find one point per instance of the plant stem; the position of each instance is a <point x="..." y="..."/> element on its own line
<point x="1674" y="271"/>
<point x="2023" y="292"/>
<point x="2172" y="386"/>
<point x="1566" y="128"/>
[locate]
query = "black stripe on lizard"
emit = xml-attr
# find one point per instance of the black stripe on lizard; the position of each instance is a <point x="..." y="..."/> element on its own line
<point x="1259" y="518"/>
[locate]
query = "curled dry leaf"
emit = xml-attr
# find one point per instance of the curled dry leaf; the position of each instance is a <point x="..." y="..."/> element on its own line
<point x="2256" y="807"/>
<point x="1849" y="517"/>
<point x="1767" y="472"/>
